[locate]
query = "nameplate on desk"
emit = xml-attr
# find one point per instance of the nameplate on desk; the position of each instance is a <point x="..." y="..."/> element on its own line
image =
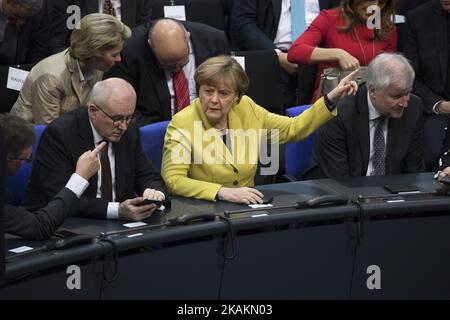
<point x="134" y="224"/>
<point x="16" y="78"/>
<point x="20" y="249"/>
<point x="175" y="12"/>
<point x="395" y="201"/>
<point x="240" y="60"/>
<point x="135" y="235"/>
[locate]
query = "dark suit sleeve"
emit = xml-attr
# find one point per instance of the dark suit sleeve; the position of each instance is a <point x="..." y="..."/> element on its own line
<point x="244" y="29"/>
<point x="43" y="223"/>
<point x="145" y="174"/>
<point x="330" y="150"/>
<point x="54" y="166"/>
<point x="411" y="50"/>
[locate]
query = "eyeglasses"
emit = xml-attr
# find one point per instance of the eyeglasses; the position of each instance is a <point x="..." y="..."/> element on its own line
<point x="117" y="120"/>
<point x="21" y="159"/>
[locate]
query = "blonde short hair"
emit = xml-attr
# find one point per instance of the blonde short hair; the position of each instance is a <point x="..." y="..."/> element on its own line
<point x="222" y="68"/>
<point x="96" y="34"/>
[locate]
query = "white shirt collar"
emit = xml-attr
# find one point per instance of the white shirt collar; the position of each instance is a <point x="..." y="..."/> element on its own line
<point x="97" y="137"/>
<point x="373" y="113"/>
<point x="84" y="78"/>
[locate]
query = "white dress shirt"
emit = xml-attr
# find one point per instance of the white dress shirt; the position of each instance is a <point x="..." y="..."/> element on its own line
<point x="113" y="207"/>
<point x="373" y="115"/>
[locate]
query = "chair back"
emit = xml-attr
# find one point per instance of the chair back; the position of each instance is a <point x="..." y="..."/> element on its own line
<point x="152" y="140"/>
<point x="298" y="154"/>
<point x="263" y="70"/>
<point x="210" y="12"/>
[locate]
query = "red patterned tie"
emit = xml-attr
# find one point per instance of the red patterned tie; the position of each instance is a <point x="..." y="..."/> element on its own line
<point x="181" y="88"/>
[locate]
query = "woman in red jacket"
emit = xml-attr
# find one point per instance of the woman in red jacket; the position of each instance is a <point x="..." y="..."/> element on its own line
<point x="341" y="38"/>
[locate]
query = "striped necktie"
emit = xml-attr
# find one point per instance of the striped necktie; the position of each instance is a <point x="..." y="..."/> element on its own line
<point x="181" y="88"/>
<point x="379" y="148"/>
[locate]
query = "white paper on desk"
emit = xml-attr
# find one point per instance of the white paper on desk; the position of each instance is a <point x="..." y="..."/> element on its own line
<point x="20" y="249"/>
<point x="257" y="206"/>
<point x="240" y="60"/>
<point x="134" y="224"/>
<point x="16" y="78"/>
<point x="175" y="12"/>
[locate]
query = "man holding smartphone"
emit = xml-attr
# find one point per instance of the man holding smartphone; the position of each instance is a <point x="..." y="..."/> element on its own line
<point x="126" y="177"/>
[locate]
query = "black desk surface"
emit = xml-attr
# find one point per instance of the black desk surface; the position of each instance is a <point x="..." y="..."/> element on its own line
<point x="284" y="194"/>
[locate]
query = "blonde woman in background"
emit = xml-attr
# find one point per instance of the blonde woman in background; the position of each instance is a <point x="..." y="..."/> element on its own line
<point x="63" y="81"/>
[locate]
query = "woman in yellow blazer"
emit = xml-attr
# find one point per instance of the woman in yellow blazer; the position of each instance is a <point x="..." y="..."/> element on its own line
<point x="211" y="147"/>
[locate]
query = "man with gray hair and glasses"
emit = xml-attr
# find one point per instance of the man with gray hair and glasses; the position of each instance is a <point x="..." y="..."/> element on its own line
<point x="126" y="175"/>
<point x="376" y="132"/>
<point x="24" y="27"/>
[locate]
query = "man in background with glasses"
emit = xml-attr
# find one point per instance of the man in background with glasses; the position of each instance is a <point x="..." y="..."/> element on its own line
<point x="126" y="176"/>
<point x="19" y="136"/>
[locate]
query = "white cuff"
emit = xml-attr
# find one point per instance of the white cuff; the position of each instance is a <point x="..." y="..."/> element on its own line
<point x="435" y="105"/>
<point x="162" y="194"/>
<point x="77" y="184"/>
<point x="113" y="210"/>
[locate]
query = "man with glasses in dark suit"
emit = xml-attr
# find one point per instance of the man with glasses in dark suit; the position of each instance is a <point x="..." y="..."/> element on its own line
<point x="19" y="136"/>
<point x="125" y="169"/>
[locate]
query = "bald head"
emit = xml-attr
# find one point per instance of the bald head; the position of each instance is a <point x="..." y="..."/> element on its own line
<point x="112" y="89"/>
<point x="111" y="107"/>
<point x="169" y="41"/>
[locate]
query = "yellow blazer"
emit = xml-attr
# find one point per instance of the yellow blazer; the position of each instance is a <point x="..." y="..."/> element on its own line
<point x="52" y="88"/>
<point x="197" y="163"/>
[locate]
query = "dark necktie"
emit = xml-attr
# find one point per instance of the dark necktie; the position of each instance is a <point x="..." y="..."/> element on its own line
<point x="108" y="8"/>
<point x="8" y="48"/>
<point x="379" y="148"/>
<point x="106" y="187"/>
<point x="181" y="88"/>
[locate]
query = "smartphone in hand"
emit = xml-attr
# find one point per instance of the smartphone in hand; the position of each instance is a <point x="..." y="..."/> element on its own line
<point x="150" y="201"/>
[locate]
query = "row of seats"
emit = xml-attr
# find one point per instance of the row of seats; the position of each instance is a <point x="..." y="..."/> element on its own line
<point x="152" y="136"/>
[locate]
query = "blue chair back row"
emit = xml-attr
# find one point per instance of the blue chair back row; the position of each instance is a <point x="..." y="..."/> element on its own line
<point x="298" y="154"/>
<point x="152" y="139"/>
<point x="297" y="159"/>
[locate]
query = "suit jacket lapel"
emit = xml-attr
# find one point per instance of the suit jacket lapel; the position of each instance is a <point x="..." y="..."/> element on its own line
<point x="395" y="139"/>
<point x="86" y="139"/>
<point x="362" y="127"/>
<point x="120" y="163"/>
<point x="277" y="11"/>
<point x="74" y="75"/>
<point x="440" y="36"/>
<point x="197" y="46"/>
